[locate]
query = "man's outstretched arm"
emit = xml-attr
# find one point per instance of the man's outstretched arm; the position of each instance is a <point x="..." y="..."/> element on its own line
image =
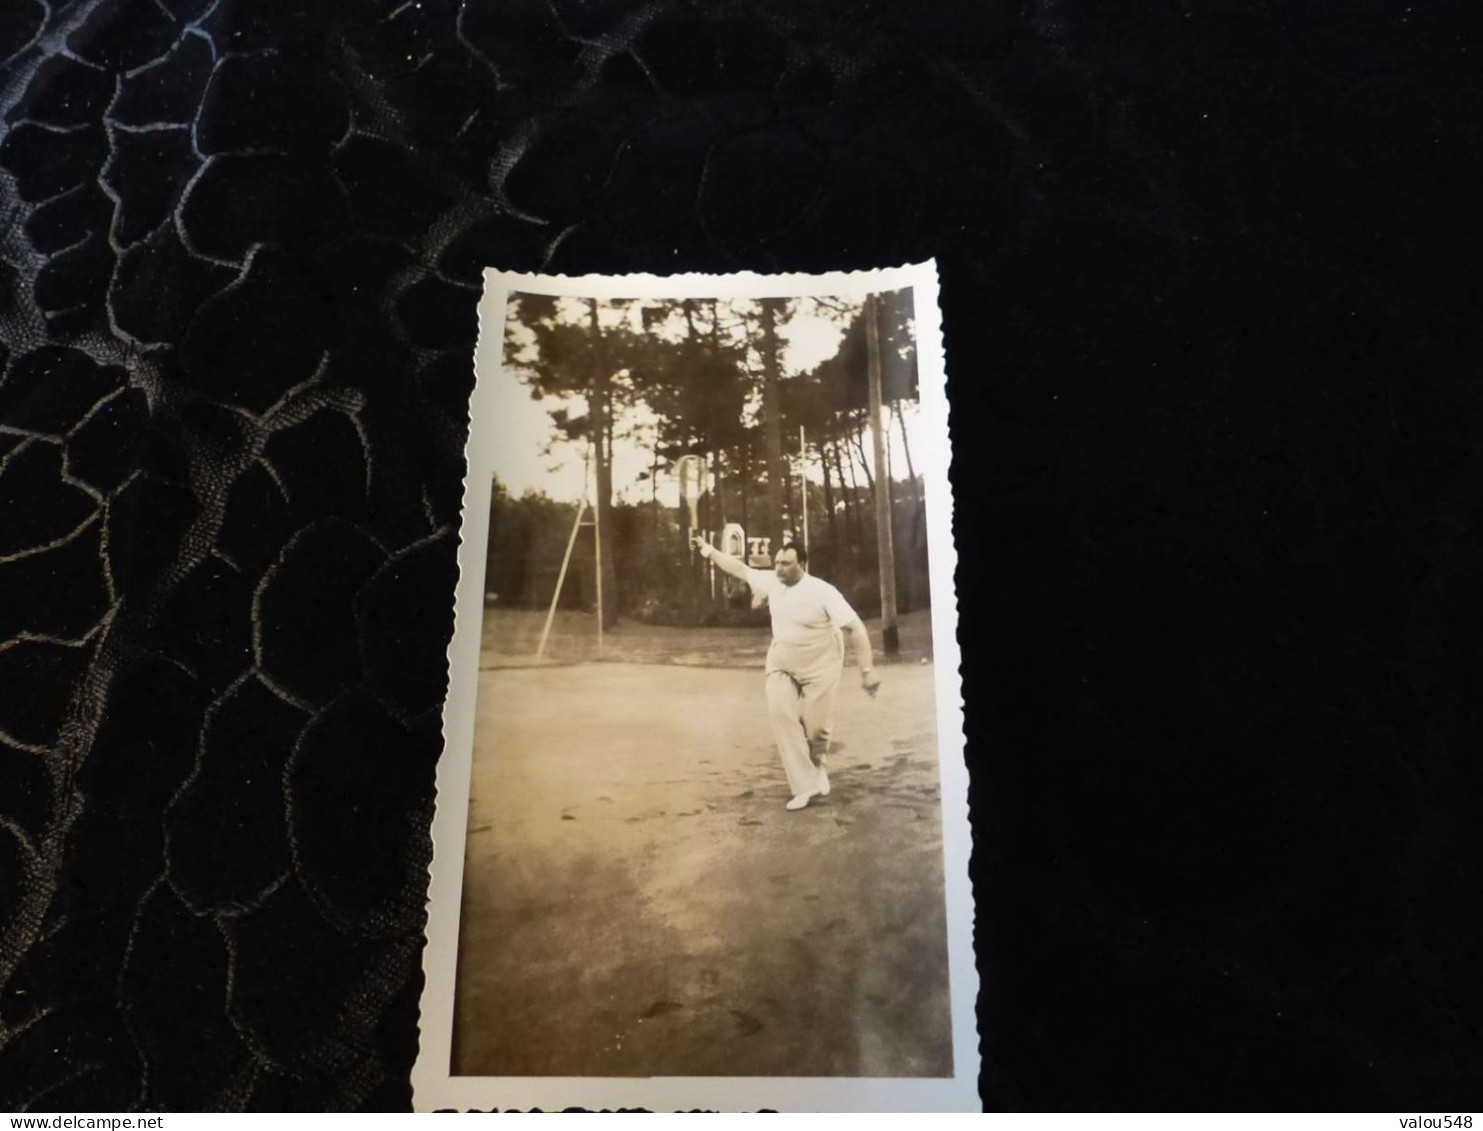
<point x="723" y="561"/>
<point x="863" y="655"/>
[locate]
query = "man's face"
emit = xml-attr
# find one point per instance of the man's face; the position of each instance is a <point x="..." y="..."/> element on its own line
<point x="785" y="565"/>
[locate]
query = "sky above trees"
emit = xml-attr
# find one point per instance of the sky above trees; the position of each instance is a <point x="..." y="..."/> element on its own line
<point x="533" y="456"/>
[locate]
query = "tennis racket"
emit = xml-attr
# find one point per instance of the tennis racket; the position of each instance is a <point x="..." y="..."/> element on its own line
<point x="691" y="470"/>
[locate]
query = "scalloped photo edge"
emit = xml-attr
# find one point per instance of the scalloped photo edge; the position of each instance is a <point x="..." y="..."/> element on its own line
<point x="532" y="776"/>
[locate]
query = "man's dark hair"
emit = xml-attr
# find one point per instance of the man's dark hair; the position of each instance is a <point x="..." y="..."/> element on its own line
<point x="797" y="549"/>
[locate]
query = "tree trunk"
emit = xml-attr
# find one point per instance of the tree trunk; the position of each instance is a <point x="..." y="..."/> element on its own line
<point x="903" y="589"/>
<point x="714" y="521"/>
<point x="654" y="486"/>
<point x="746" y="483"/>
<point x="885" y="548"/>
<point x="919" y="584"/>
<point x="851" y="488"/>
<point x="829" y="500"/>
<point x="911" y="470"/>
<point x="902" y="549"/>
<point x="864" y="463"/>
<point x="600" y="411"/>
<point x="717" y="442"/>
<point x="772" y="421"/>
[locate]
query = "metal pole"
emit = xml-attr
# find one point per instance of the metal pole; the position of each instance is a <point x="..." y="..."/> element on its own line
<point x="561" y="578"/>
<point x="803" y="488"/>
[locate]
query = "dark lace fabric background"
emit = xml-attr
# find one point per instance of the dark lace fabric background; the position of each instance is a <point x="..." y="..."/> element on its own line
<point x="1209" y="287"/>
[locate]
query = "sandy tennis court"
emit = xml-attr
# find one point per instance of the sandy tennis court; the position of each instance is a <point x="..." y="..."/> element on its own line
<point x="638" y="902"/>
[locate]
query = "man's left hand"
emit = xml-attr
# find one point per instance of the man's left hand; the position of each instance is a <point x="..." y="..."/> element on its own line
<point x="871" y="682"/>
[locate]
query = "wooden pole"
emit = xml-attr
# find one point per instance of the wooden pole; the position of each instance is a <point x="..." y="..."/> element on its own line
<point x="884" y="546"/>
<point x="772" y="426"/>
<point x="561" y="578"/>
<point x="597" y="555"/>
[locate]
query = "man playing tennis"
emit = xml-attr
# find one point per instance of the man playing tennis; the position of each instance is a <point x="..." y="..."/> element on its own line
<point x="805" y="661"/>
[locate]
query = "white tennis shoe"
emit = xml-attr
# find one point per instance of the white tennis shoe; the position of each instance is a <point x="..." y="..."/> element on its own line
<point x="802" y="800"/>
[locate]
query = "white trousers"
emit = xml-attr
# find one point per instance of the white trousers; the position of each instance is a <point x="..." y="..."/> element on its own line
<point x="801" y="688"/>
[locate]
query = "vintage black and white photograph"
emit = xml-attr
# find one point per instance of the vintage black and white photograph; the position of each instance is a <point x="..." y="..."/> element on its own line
<point x="704" y="710"/>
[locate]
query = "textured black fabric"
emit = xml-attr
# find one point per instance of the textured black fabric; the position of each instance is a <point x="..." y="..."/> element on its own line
<point x="1210" y="297"/>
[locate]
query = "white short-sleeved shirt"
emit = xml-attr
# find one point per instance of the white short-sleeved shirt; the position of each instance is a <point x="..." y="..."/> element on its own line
<point x="810" y="613"/>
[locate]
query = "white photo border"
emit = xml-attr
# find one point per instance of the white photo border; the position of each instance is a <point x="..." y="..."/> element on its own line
<point x="434" y="1087"/>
